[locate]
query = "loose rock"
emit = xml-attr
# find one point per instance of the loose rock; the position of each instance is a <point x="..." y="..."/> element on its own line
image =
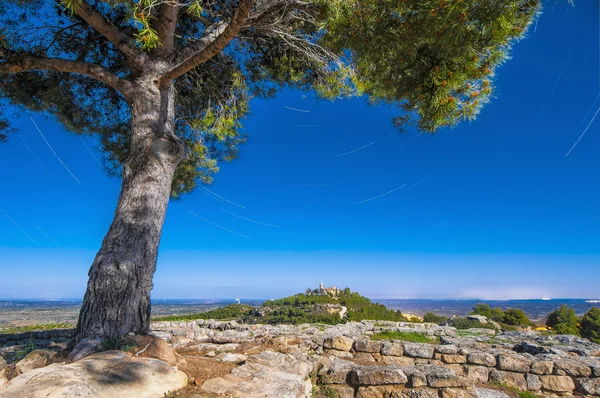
<point x="35" y="359"/>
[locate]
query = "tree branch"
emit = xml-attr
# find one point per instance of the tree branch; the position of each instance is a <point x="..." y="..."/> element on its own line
<point x="112" y="33"/>
<point x="167" y="22"/>
<point x="267" y="8"/>
<point x="17" y="63"/>
<point x="211" y="43"/>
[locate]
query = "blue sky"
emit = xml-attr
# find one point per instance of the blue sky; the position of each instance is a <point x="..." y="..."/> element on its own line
<point x="490" y="209"/>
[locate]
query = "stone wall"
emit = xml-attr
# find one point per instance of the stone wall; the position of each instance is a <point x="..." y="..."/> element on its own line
<point x="348" y="362"/>
<point x="415" y="365"/>
<point x="6" y="339"/>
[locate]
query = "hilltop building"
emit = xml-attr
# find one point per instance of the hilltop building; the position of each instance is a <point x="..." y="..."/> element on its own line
<point x="324" y="291"/>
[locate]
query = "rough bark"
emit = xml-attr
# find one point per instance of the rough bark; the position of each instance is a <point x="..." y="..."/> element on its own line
<point x="167" y="23"/>
<point x="117" y="300"/>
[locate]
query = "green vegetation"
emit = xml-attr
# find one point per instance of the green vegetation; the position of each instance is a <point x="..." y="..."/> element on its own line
<point x="33" y="328"/>
<point x="25" y="349"/>
<point x="430" y="317"/>
<point x="497" y="314"/>
<point x="482" y="309"/>
<point x="233" y="311"/>
<point x="590" y="325"/>
<point x="297" y="315"/>
<point x="516" y="317"/>
<point x="508" y="320"/>
<point x="462" y="323"/>
<point x="527" y="394"/>
<point x="467" y="333"/>
<point x="300" y="299"/>
<point x="324" y="392"/>
<point x="375" y="312"/>
<point x="405" y="336"/>
<point x="563" y="321"/>
<point x="516" y="391"/>
<point x="510" y="317"/>
<point x="313" y="308"/>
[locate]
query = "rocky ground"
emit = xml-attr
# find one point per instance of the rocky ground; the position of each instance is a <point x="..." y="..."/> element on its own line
<point x="228" y="359"/>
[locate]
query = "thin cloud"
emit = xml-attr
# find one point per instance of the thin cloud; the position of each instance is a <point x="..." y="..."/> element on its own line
<point x="211" y="196"/>
<point x="296" y="109"/>
<point x="36" y="158"/>
<point x="218" y="226"/>
<point x="90" y="151"/>
<point x="590" y="110"/>
<point x="251" y="220"/>
<point x="307" y="125"/>
<point x="424" y="179"/>
<point x="49" y="146"/>
<point x="17" y="225"/>
<point x="357" y="149"/>
<point x="584" y="131"/>
<point x="380" y="196"/>
<point x="51" y="240"/>
<point x="222" y="198"/>
<point x="408" y="142"/>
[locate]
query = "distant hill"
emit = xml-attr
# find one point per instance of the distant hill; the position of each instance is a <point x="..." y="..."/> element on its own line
<point x="328" y="306"/>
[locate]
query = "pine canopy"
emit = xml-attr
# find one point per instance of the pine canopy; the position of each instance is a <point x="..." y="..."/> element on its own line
<point x="73" y="59"/>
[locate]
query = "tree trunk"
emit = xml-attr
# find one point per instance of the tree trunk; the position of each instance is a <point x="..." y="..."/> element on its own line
<point x="117" y="300"/>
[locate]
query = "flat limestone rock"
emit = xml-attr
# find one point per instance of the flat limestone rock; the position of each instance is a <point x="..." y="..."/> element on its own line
<point x="510" y="379"/>
<point x="268" y="374"/>
<point x="110" y="374"/>
<point x="378" y="375"/>
<point x="234" y="358"/>
<point x="557" y="383"/>
<point x="513" y="362"/>
<point x="367" y="346"/>
<point x="419" y="350"/>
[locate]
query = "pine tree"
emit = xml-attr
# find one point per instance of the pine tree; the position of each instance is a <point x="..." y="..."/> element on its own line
<point x="590" y="325"/>
<point x="165" y="85"/>
<point x="482" y="309"/>
<point x="563" y="320"/>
